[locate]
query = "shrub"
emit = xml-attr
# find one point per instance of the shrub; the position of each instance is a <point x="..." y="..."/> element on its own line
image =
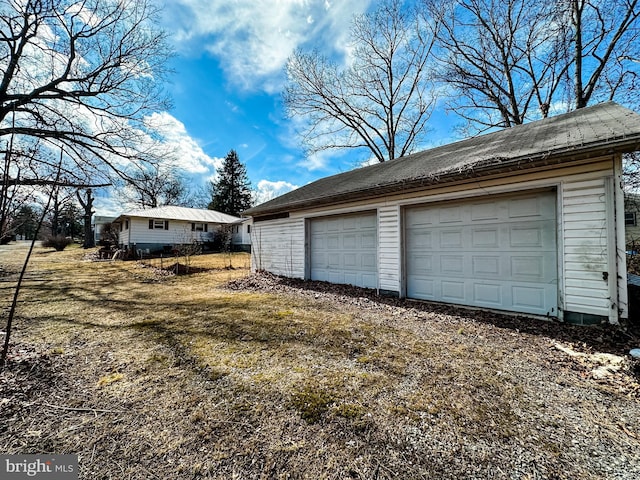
<point x="59" y="242"/>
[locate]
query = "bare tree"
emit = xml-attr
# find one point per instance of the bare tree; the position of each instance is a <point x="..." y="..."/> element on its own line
<point x="77" y="76"/>
<point x="500" y="58"/>
<point x="87" y="212"/>
<point x="153" y="185"/>
<point x="510" y="61"/>
<point x="381" y="101"/>
<point x="605" y="36"/>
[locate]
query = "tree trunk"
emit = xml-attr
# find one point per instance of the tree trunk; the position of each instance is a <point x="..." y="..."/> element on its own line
<point x="87" y="205"/>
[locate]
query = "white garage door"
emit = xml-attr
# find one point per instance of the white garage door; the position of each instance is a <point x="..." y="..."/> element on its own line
<point x="492" y="252"/>
<point x="344" y="249"/>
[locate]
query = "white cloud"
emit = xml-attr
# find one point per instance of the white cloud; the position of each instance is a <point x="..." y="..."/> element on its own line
<point x="184" y="150"/>
<point x="268" y="190"/>
<point x="253" y="38"/>
<point x="321" y="160"/>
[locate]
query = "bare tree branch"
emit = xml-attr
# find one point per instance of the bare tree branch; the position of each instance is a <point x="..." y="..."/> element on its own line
<point x="511" y="61"/>
<point x="382" y="101"/>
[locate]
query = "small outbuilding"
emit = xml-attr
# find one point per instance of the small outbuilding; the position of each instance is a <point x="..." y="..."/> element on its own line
<point x="165" y="227"/>
<point x="529" y="219"/>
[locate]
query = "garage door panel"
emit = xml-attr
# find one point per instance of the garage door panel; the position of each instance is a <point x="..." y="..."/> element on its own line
<point x="502" y="255"/>
<point x="333" y="242"/>
<point x="528" y="268"/>
<point x="368" y="240"/>
<point x="349" y="278"/>
<point x="320" y="241"/>
<point x="485" y="237"/>
<point x="450" y="214"/>
<point x="319" y="259"/>
<point x="453" y="291"/>
<point x="334" y="260"/>
<point x="369" y="280"/>
<point x="318" y="228"/>
<point x="334" y="225"/>
<point x="452" y="264"/>
<point x="349" y="223"/>
<point x="343" y="250"/>
<point x="485" y="266"/>
<point x="524" y="207"/>
<point x="335" y="276"/>
<point x="349" y="241"/>
<point x="528" y="296"/>
<point x="520" y="236"/>
<point x="369" y="221"/>
<point x="416" y="220"/>
<point x="451" y="239"/>
<point x="350" y="260"/>
<point x="368" y="262"/>
<point x="421" y="288"/>
<point x="490" y="294"/>
<point x="420" y="239"/>
<point x="485" y="211"/>
<point x="422" y="264"/>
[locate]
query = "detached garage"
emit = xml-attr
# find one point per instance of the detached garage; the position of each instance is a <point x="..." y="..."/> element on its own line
<point x="528" y="220"/>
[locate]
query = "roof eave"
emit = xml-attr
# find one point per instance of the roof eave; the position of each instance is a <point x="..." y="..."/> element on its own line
<point x="597" y="149"/>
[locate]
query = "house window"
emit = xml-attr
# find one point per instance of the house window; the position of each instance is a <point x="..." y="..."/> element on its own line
<point x="248" y="228"/>
<point x="199" y="227"/>
<point x="630" y="219"/>
<point x="155" y="224"/>
<point x="126" y="224"/>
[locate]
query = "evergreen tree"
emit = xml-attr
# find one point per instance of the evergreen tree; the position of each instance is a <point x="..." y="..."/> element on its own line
<point x="231" y="192"/>
<point x="25" y="222"/>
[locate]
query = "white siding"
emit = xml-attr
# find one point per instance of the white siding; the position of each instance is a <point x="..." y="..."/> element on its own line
<point x="241" y="232"/>
<point x="179" y="232"/>
<point x="389" y="248"/>
<point x="586" y="247"/>
<point x="586" y="242"/>
<point x="278" y="247"/>
<point x="123" y="236"/>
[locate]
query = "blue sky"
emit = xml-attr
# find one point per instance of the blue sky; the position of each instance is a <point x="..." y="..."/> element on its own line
<point x="227" y="84"/>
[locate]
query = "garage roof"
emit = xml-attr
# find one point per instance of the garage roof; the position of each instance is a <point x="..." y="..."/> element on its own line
<point x="601" y="129"/>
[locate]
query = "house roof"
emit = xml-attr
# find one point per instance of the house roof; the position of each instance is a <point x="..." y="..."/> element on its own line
<point x="181" y="213"/>
<point x="601" y="129"/>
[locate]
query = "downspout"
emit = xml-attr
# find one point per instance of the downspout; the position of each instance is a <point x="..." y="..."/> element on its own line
<point x="611" y="275"/>
<point x="621" y="255"/>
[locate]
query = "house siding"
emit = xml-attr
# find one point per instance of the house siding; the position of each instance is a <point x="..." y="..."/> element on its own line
<point x="586" y="246"/>
<point x="179" y="232"/>
<point x="278" y="247"/>
<point x="586" y="236"/>
<point x="389" y="248"/>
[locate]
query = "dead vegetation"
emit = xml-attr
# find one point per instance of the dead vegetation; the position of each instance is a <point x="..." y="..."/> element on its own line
<point x="223" y="375"/>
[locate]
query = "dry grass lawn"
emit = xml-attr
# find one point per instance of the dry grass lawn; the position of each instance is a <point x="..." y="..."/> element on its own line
<point x="147" y="376"/>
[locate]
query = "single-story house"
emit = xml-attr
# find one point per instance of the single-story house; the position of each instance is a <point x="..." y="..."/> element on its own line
<point x="162" y="228"/>
<point x="528" y="219"/>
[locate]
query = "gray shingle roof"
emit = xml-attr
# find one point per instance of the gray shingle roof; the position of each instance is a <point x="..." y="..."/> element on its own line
<point x="182" y="213"/>
<point x="603" y="128"/>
